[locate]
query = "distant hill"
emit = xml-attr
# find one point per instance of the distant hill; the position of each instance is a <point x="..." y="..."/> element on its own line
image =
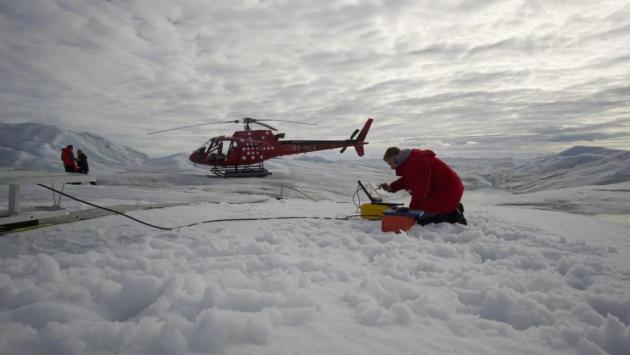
<point x="38" y="146"/>
<point x="577" y="166"/>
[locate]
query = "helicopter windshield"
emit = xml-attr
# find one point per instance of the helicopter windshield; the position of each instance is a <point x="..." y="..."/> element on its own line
<point x="216" y="148"/>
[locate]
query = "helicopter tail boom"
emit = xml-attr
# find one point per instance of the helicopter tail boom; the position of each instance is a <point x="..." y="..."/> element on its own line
<point x="361" y="138"/>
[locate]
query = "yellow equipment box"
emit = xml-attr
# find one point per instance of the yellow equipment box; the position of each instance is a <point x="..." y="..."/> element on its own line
<point x="373" y="211"/>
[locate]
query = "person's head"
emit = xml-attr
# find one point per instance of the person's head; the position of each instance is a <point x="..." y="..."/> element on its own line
<point x="70" y="146"/>
<point x="390" y="156"/>
<point x="79" y="151"/>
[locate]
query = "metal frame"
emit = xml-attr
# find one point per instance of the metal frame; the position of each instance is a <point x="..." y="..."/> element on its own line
<point x="17" y="178"/>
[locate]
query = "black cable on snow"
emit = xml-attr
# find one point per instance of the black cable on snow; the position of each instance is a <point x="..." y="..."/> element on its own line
<point x="345" y="218"/>
<point x="269" y="218"/>
<point x="302" y="192"/>
<point x="104" y="208"/>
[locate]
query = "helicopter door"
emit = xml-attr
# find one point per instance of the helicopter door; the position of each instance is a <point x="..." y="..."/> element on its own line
<point x="221" y="151"/>
<point x="233" y="147"/>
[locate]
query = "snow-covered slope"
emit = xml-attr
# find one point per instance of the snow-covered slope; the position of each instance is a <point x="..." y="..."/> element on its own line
<point x="578" y="166"/>
<point x="515" y="281"/>
<point x="38" y="146"/>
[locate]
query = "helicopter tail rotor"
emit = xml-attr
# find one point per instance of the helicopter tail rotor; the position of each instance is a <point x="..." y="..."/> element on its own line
<point x="354" y="134"/>
<point x="361" y="138"/>
<point x="360" y="141"/>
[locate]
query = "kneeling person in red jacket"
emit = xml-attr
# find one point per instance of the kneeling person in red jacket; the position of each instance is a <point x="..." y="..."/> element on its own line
<point x="434" y="187"/>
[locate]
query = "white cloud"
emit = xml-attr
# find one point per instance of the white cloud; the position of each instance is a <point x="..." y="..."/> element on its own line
<point x="446" y="73"/>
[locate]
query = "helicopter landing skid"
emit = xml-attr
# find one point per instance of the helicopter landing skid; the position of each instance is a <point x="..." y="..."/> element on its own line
<point x="257" y="170"/>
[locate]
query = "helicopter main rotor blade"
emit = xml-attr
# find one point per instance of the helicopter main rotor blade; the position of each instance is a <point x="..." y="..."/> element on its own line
<point x="264" y="125"/>
<point x="310" y="124"/>
<point x="192" y="125"/>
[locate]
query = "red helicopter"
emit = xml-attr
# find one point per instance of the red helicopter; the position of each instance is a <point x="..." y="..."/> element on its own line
<point x="243" y="154"/>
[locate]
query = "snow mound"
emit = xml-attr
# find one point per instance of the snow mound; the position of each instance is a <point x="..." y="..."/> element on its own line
<point x="177" y="162"/>
<point x="275" y="287"/>
<point x="38" y="146"/>
<point x="577" y="166"/>
<point x="314" y="159"/>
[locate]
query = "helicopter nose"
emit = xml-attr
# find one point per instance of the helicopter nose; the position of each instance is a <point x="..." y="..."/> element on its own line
<point x="194" y="157"/>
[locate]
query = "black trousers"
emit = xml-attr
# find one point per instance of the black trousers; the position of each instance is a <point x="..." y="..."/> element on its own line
<point x="456" y="216"/>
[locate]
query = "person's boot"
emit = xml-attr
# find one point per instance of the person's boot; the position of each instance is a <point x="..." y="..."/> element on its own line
<point x="460" y="218"/>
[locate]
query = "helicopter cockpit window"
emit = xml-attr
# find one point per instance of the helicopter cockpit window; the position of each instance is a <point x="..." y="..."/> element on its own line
<point x="216" y="150"/>
<point x="205" y="148"/>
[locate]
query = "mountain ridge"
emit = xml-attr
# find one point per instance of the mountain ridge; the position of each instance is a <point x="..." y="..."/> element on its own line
<point x="37" y="146"/>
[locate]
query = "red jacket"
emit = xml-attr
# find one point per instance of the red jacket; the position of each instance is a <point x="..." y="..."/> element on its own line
<point x="67" y="156"/>
<point x="433" y="185"/>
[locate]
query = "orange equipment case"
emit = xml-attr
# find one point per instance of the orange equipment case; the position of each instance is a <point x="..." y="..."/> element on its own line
<point x="400" y="220"/>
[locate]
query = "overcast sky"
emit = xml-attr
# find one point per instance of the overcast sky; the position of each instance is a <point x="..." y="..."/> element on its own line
<point x="453" y="75"/>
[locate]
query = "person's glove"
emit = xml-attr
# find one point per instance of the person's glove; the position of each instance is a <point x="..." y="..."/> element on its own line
<point x="385" y="187"/>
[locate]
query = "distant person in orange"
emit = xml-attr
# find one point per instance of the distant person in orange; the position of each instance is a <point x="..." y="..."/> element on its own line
<point x="67" y="156"/>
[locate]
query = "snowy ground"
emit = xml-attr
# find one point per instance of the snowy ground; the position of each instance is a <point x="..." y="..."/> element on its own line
<point x="525" y="277"/>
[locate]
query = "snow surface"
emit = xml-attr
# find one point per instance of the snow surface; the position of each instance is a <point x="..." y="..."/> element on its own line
<point x="500" y="285"/>
<point x="533" y="273"/>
